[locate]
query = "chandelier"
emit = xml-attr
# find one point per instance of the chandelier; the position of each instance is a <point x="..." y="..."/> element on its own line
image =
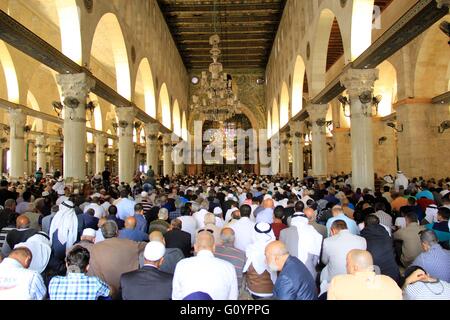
<point x="216" y="100"/>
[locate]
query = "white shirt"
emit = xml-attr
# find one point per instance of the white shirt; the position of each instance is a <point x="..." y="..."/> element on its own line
<point x="200" y="218"/>
<point x="243" y="230"/>
<point x="205" y="273"/>
<point x="125" y="208"/>
<point x="99" y="210"/>
<point x="18" y="283"/>
<point x="105" y="205"/>
<point x="189" y="225"/>
<point x="219" y="222"/>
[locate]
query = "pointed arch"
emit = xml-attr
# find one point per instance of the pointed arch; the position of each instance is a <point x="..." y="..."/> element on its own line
<point x="269" y="125"/>
<point x="297" y="86"/>
<point x="275" y="118"/>
<point x="176" y="119"/>
<point x="386" y="86"/>
<point x="164" y="114"/>
<point x="144" y="89"/>
<point x="37" y="125"/>
<point x="9" y="71"/>
<point x="69" y="24"/>
<point x="284" y="105"/>
<point x="184" y="129"/>
<point x="362" y="20"/>
<point x="109" y="49"/>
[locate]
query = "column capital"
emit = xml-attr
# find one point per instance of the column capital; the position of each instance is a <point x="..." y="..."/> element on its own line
<point x="77" y="85"/>
<point x="317" y="111"/>
<point x="40" y="141"/>
<point x="90" y="148"/>
<point x="297" y="129"/>
<point x="17" y="117"/>
<point x="441" y="3"/>
<point x="357" y="81"/>
<point x="167" y="140"/>
<point x="152" y="131"/>
<point x="126" y="114"/>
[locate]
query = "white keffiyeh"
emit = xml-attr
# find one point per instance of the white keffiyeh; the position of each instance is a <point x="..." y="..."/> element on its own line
<point x="309" y="240"/>
<point x="66" y="223"/>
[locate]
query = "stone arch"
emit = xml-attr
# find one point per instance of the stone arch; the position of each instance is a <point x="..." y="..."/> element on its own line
<point x="176" y="117"/>
<point x="319" y="51"/>
<point x="433" y="61"/>
<point x="361" y="31"/>
<point x="297" y="86"/>
<point x="9" y="72"/>
<point x="109" y="48"/>
<point x="145" y="89"/>
<point x="386" y="86"/>
<point x="275" y="118"/>
<point x="37" y="124"/>
<point x="184" y="129"/>
<point x="164" y="114"/>
<point x="269" y="125"/>
<point x="284" y="105"/>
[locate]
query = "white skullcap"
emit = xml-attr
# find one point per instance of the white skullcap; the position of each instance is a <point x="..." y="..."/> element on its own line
<point x="89" y="232"/>
<point x="263" y="227"/>
<point x="267" y="196"/>
<point x="144" y="194"/>
<point x="154" y="251"/>
<point x="217" y="211"/>
<point x="45" y="194"/>
<point x="60" y="179"/>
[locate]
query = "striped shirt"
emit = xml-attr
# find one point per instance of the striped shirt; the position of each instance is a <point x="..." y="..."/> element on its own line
<point x="436" y="262"/>
<point x="146" y="205"/>
<point x="427" y="291"/>
<point x="235" y="256"/>
<point x="385" y="219"/>
<point x="77" y="286"/>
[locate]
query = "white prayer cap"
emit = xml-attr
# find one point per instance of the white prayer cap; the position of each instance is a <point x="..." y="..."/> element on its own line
<point x="267" y="196"/>
<point x="45" y="194"/>
<point x="88" y="232"/>
<point x="154" y="251"/>
<point x="144" y="194"/>
<point x="60" y="179"/>
<point x="218" y="211"/>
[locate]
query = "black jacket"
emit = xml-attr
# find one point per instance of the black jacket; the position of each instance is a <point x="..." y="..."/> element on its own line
<point x="147" y="283"/>
<point x="179" y="239"/>
<point x="381" y="246"/>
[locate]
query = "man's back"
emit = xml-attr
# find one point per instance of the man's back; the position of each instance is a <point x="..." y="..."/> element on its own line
<point x="411" y="246"/>
<point x="289" y="237"/>
<point x="147" y="283"/>
<point x="335" y="250"/>
<point x="179" y="239"/>
<point x="112" y="257"/>
<point x="243" y="229"/>
<point x="234" y="256"/>
<point x="133" y="234"/>
<point x="364" y="286"/>
<point x="205" y="273"/>
<point x="125" y="208"/>
<point x="436" y="262"/>
<point x="189" y="224"/>
<point x="351" y="224"/>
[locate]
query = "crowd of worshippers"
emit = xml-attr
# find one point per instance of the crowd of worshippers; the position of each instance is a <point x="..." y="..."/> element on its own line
<point x="224" y="237"/>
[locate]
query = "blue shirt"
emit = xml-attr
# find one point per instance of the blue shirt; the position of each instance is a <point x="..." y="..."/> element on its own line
<point x="351" y="224"/>
<point x="125" y="208"/>
<point x="77" y="286"/>
<point x="295" y="282"/>
<point x="266" y="215"/>
<point x="141" y="223"/>
<point x="134" y="235"/>
<point x="436" y="262"/>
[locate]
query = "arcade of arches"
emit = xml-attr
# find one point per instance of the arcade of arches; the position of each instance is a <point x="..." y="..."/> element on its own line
<point x="133" y="61"/>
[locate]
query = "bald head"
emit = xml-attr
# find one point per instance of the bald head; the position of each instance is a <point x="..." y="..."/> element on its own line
<point x="205" y="241"/>
<point x="157" y="236"/>
<point x="268" y="204"/>
<point x="227" y="236"/>
<point x="23" y="255"/>
<point x="22" y="222"/>
<point x="130" y="223"/>
<point x="276" y="255"/>
<point x="359" y="261"/>
<point x="309" y="213"/>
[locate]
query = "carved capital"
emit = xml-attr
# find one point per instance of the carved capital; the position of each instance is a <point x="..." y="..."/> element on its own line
<point x="357" y="81"/>
<point x="75" y="85"/>
<point x="317" y="111"/>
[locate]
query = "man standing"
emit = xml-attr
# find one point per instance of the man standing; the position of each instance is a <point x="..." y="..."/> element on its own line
<point x="176" y="238"/>
<point x="125" y="206"/>
<point x="205" y="273"/>
<point x="294" y="281"/>
<point x="361" y="282"/>
<point x="243" y="228"/>
<point x="149" y="282"/>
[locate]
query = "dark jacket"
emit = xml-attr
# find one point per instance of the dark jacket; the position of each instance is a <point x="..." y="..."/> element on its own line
<point x="179" y="239"/>
<point x="147" y="283"/>
<point x="295" y="282"/>
<point x="5" y="194"/>
<point x="381" y="246"/>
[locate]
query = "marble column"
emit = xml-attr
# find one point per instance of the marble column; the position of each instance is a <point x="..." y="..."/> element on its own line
<point x="126" y="146"/>
<point x="17" y="121"/>
<point x="297" y="149"/>
<point x="74" y="89"/>
<point x="151" y="146"/>
<point x="317" y="115"/>
<point x="167" y="151"/>
<point x="91" y="159"/>
<point x="284" y="154"/>
<point x="100" y="142"/>
<point x="41" y="155"/>
<point x="358" y="81"/>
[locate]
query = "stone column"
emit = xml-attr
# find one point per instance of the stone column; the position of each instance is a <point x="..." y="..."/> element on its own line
<point x="126" y="146"/>
<point x="284" y="154"/>
<point x="317" y="115"/>
<point x="17" y="121"/>
<point x="41" y="155"/>
<point x="100" y="142"/>
<point x="297" y="149"/>
<point x="179" y="167"/>
<point x="91" y="159"/>
<point x="74" y="89"/>
<point x="343" y="150"/>
<point x="151" y="146"/>
<point x="358" y="81"/>
<point x="167" y="151"/>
